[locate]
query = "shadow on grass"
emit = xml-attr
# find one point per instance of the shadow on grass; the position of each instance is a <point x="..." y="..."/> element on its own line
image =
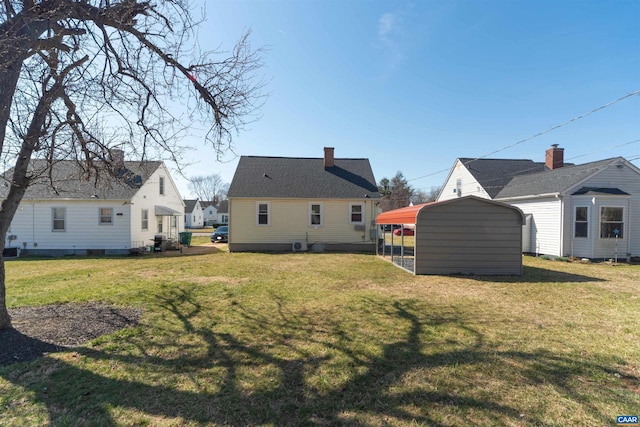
<point x="538" y="275"/>
<point x="372" y="393"/>
<point x="29" y="348"/>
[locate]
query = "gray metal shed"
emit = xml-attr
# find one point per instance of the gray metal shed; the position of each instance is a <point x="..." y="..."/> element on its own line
<point x="468" y="235"/>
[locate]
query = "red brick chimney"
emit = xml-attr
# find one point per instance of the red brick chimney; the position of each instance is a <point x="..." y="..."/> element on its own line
<point x="328" y="157"/>
<point x="554" y="158"/>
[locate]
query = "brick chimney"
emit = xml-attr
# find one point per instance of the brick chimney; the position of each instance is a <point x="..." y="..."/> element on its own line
<point x="554" y="158"/>
<point x="328" y="157"/>
<point x="116" y="157"/>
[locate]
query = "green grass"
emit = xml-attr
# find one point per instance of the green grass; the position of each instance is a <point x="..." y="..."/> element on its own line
<point x="332" y="339"/>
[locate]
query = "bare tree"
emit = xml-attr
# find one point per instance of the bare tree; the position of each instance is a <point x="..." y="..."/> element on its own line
<point x="79" y="77"/>
<point x="210" y="188"/>
<point x="420" y="196"/>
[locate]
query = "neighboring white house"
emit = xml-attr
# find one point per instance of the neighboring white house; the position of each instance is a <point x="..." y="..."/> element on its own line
<point x="285" y="203"/>
<point x="100" y="215"/>
<point x="193" y="214"/>
<point x="216" y="213"/>
<point x="590" y="210"/>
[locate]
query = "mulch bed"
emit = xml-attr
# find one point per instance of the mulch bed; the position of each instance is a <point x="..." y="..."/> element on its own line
<point x="41" y="330"/>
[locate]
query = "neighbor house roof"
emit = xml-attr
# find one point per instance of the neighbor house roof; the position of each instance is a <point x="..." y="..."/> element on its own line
<point x="190" y="204"/>
<point x="69" y="181"/>
<point x="552" y="181"/>
<point x="494" y="174"/>
<point x="223" y="207"/>
<point x="292" y="177"/>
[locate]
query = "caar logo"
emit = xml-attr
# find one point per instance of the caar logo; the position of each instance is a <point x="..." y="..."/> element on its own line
<point x="627" y="420"/>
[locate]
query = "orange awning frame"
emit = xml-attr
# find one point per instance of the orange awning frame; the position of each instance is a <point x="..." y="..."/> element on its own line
<point x="405" y="215"/>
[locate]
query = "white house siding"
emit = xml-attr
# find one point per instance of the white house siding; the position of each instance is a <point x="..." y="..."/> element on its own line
<point x="469" y="185"/>
<point x="195" y="218"/>
<point x="32" y="227"/>
<point x="147" y="197"/>
<point x="289" y="222"/>
<point x="626" y="179"/>
<point x="546" y="223"/>
<point x="469" y="237"/>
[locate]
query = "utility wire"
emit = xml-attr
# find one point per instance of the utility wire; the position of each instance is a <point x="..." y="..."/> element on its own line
<point x="538" y="134"/>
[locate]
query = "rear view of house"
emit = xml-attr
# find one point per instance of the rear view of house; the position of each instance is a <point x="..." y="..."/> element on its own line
<point x="67" y="214"/>
<point x="288" y="203"/>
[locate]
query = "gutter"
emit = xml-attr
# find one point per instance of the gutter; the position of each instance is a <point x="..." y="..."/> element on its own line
<point x="531" y="196"/>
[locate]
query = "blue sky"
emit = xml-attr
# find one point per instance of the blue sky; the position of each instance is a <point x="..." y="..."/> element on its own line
<point x="414" y="85"/>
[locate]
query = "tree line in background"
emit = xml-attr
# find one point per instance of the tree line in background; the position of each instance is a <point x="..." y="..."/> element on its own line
<point x="209" y="188"/>
<point x="397" y="193"/>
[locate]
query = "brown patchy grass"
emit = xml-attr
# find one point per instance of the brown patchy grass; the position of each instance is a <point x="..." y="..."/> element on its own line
<point x="332" y="339"/>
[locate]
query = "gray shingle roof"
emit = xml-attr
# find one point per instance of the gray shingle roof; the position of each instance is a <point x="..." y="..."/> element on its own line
<point x="552" y="181"/>
<point x="288" y="177"/>
<point x="69" y="181"/>
<point x="494" y="174"/>
<point x="190" y="204"/>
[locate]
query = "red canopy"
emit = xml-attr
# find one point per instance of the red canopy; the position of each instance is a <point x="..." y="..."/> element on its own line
<point x="401" y="216"/>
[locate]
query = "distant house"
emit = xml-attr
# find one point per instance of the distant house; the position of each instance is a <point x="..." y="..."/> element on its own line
<point x="101" y="215"/>
<point x="290" y="203"/>
<point x="216" y="212"/>
<point x="590" y="210"/>
<point x="193" y="214"/>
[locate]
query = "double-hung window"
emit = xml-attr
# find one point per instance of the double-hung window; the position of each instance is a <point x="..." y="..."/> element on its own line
<point x="58" y="219"/>
<point x="581" y="226"/>
<point x="106" y="216"/>
<point x="145" y="219"/>
<point x="611" y="222"/>
<point x="315" y="214"/>
<point x="263" y="213"/>
<point x="356" y="213"/>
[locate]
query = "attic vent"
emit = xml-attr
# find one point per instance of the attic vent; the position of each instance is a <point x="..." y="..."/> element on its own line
<point x="299" y="246"/>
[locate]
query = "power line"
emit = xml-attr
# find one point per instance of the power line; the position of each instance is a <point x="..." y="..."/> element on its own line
<point x="539" y="133"/>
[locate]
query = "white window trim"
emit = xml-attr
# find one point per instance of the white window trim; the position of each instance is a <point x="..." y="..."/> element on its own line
<point x="311" y="204"/>
<point x="64" y="220"/>
<point x="143" y="219"/>
<point x="258" y="214"/>
<point x="161" y="186"/>
<point x="351" y="205"/>
<point x="575" y="221"/>
<point x="624" y="223"/>
<point x="100" y="216"/>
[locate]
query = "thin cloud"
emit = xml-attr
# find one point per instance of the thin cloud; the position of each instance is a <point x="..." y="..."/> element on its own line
<point x="387" y="25"/>
<point x="389" y="35"/>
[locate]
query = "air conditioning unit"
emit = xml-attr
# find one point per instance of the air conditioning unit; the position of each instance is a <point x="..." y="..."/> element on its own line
<point x="299" y="246"/>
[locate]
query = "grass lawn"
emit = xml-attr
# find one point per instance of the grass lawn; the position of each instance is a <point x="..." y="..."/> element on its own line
<point x="332" y="339"/>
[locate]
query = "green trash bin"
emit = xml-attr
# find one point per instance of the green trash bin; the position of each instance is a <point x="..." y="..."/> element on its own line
<point x="185" y="238"/>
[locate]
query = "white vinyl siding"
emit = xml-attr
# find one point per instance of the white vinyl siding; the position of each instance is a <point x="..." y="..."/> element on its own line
<point x="80" y="227"/>
<point x="546" y="224"/>
<point x="461" y="182"/>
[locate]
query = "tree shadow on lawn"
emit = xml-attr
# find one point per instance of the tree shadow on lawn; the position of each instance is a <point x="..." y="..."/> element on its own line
<point x="372" y="393"/>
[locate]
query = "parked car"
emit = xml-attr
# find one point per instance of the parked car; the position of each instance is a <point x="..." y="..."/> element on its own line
<point x="221" y="234"/>
<point x="406" y="231"/>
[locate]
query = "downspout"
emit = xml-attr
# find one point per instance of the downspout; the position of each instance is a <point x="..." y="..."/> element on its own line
<point x="561" y="252"/>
